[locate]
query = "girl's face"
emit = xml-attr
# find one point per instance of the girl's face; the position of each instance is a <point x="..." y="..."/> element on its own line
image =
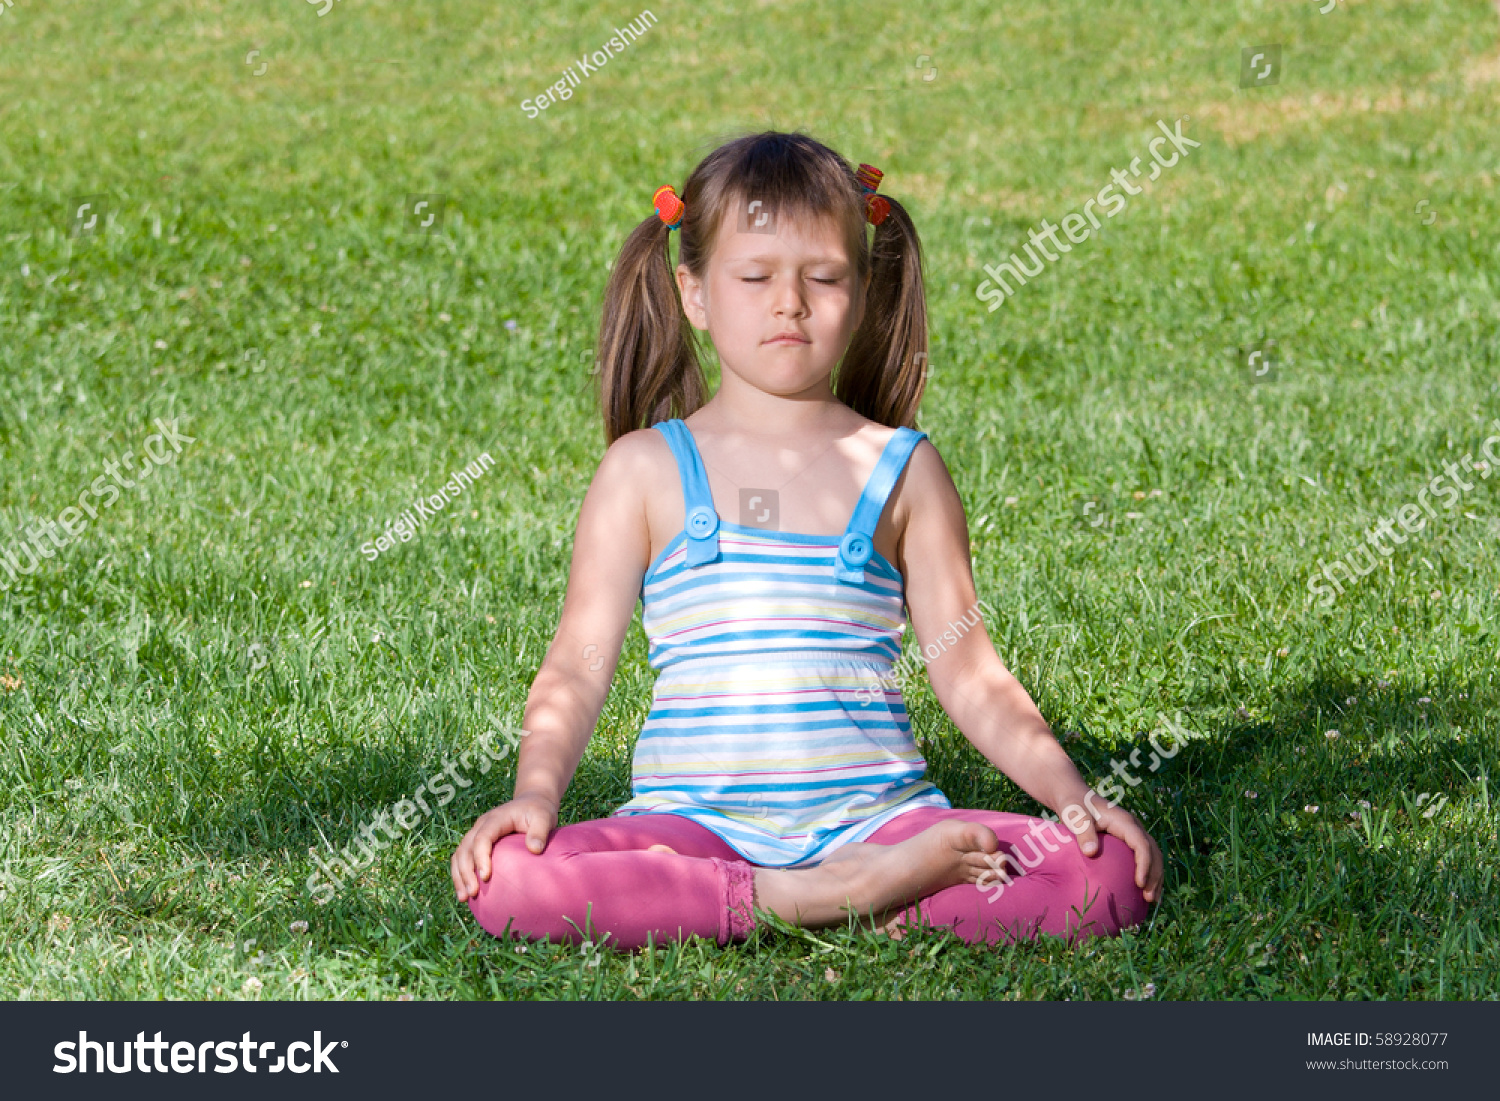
<point x="760" y="286"/>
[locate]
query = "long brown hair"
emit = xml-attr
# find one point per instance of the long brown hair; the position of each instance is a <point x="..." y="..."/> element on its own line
<point x="649" y="369"/>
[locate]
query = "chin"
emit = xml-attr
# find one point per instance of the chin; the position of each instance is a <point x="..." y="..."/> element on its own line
<point x="786" y="388"/>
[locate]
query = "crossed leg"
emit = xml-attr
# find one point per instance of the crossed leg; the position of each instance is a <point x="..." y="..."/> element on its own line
<point x="665" y="877"/>
<point x="645" y="875"/>
<point x="1040" y="882"/>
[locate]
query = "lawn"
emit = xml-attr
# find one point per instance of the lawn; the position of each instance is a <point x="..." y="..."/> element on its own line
<point x="209" y="677"/>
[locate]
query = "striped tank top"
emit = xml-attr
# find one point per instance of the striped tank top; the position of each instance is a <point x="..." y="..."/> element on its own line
<point x="773" y="721"/>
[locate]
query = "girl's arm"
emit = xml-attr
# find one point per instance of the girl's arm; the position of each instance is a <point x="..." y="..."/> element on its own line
<point x="610" y="548"/>
<point x="986" y="702"/>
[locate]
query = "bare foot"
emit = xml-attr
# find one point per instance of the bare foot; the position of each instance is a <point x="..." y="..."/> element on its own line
<point x="871" y="880"/>
<point x="862" y="850"/>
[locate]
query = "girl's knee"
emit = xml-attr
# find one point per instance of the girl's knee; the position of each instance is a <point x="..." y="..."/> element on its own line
<point x="1114" y="900"/>
<point x="513" y="896"/>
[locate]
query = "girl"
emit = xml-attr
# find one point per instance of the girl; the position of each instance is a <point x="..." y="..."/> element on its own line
<point x="777" y="770"/>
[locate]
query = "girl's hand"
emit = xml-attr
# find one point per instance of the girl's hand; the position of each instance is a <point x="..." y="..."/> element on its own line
<point x="1150" y="868"/>
<point x="529" y="814"/>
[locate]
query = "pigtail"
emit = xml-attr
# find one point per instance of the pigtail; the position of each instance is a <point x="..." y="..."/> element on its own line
<point x="649" y="369"/>
<point x="884" y="370"/>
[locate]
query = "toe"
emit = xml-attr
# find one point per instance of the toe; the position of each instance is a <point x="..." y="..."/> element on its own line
<point x="978" y="836"/>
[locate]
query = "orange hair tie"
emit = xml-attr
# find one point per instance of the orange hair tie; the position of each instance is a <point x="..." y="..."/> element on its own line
<point x="669" y="208"/>
<point x="876" y="207"/>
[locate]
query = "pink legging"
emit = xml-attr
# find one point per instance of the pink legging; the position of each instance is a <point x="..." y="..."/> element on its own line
<point x="597" y="877"/>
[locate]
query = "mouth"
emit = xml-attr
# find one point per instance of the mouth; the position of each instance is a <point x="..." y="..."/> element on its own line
<point x="787" y="338"/>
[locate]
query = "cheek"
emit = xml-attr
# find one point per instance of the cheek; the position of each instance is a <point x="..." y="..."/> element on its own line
<point x="732" y="309"/>
<point x="835" y="311"/>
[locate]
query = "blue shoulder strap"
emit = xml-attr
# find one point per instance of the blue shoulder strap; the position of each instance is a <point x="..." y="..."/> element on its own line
<point x="701" y="522"/>
<point x="859" y="538"/>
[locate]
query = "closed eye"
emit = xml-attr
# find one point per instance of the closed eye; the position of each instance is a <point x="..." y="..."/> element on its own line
<point x="763" y="278"/>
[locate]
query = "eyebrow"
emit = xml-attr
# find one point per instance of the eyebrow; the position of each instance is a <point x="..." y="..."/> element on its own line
<point x="765" y="259"/>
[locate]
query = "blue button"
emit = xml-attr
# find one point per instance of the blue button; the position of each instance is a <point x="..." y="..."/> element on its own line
<point x="702" y="522"/>
<point x="856" y="549"/>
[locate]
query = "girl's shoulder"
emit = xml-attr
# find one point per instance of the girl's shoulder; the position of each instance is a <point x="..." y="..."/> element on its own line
<point x="924" y="463"/>
<point x="925" y="473"/>
<point x="637" y="457"/>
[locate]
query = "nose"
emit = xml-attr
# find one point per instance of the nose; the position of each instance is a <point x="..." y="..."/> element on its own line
<point x="790" y="300"/>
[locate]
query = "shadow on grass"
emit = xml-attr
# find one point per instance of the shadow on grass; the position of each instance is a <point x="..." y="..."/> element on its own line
<point x="1229" y="855"/>
<point x="1395" y="748"/>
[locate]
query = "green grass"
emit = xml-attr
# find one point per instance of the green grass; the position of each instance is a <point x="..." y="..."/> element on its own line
<point x="212" y="678"/>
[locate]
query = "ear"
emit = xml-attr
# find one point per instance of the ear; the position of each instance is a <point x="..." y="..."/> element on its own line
<point x="694" y="297"/>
